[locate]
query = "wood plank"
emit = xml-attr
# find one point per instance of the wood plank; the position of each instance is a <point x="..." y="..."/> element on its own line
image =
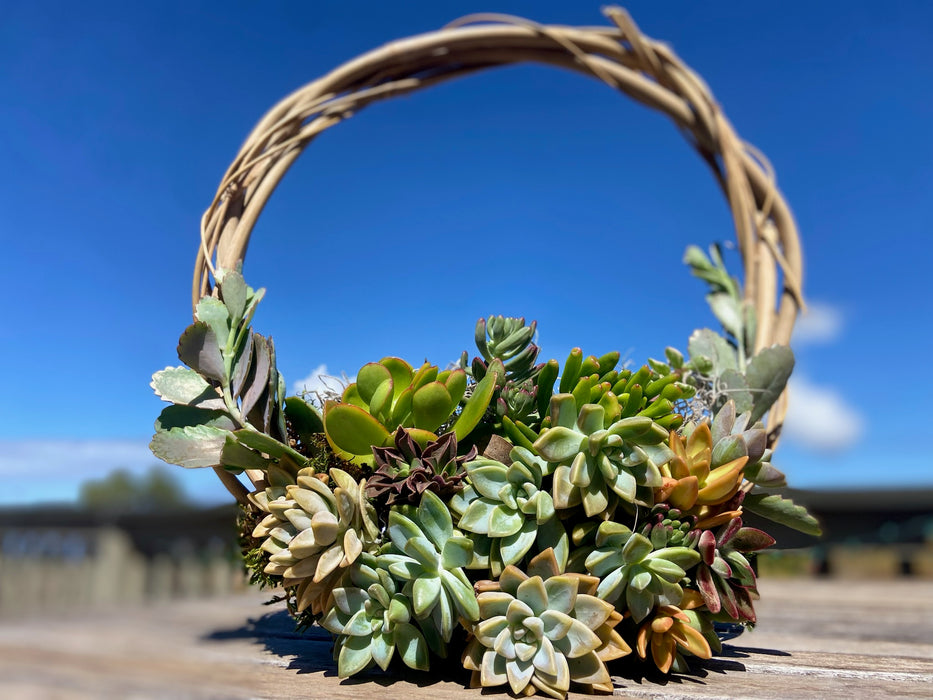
<point x="815" y="638"/>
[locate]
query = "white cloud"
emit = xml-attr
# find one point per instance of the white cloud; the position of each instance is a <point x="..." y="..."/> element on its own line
<point x="821" y="324"/>
<point x="320" y="381"/>
<point x="37" y="471"/>
<point x="819" y="418"/>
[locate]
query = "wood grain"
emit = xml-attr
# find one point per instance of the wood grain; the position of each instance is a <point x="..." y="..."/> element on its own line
<point x="815" y="639"/>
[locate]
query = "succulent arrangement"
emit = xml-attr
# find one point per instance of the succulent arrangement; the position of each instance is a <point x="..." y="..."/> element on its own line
<point x="535" y="521"/>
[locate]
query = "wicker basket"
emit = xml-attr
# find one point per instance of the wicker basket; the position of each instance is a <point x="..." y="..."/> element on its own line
<point x="619" y="55"/>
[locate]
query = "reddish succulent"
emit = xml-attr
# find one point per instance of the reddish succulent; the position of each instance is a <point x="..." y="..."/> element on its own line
<point x="406" y="471"/>
<point x="724" y="576"/>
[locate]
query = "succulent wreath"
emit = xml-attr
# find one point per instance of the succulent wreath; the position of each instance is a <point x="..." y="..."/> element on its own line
<point x="536" y="519"/>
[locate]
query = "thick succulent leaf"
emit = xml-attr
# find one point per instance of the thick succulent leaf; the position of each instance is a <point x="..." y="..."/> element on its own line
<point x="709" y="344"/>
<point x="457" y="552"/>
<point x="198" y="348"/>
<point x="352" y="429"/>
<point x="784" y="511"/>
<point x="476" y="516"/>
<point x="504" y="521"/>
<point x="303" y="417"/>
<point x="707" y="586"/>
<point x="425" y="593"/>
<point x="430" y="406"/>
<point x="354" y="656"/>
<point x="475" y="407"/>
<point x="750" y="539"/>
<point x="435" y="519"/>
<point x="681" y="556"/>
<point x="553" y="535"/>
<point x="235" y="293"/>
<point x="424" y="551"/>
<point x="370" y="378"/>
<point x="636" y="548"/>
<point x="640" y="603"/>
<point x="487" y="477"/>
<point x="767" y="374"/>
<point x="462" y="593"/>
<point x="191" y="447"/>
<point x="592" y="611"/>
<point x="411" y="646"/>
<point x="513" y="547"/>
<point x="559" y="444"/>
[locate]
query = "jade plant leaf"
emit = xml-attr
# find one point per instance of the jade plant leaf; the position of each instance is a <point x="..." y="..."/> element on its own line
<point x="351" y="429"/>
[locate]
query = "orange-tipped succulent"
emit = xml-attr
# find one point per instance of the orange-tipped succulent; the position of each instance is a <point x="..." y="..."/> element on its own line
<point x="668" y="631"/>
<point x="688" y="479"/>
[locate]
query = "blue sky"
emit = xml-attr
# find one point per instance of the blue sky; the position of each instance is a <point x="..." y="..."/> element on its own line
<point x="524" y="191"/>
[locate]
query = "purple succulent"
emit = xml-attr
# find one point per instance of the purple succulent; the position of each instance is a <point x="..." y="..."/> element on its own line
<point x="404" y="472"/>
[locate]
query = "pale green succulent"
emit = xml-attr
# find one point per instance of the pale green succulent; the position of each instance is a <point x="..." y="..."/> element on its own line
<point x="313" y="533"/>
<point x="509" y="505"/>
<point x="628" y="564"/>
<point x="372" y="620"/>
<point x="594" y="456"/>
<point x="429" y="555"/>
<point x="539" y="633"/>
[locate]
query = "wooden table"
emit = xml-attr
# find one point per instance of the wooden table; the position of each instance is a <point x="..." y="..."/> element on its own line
<point x="815" y="639"/>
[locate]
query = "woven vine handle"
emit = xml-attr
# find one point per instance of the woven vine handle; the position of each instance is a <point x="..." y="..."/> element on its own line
<point x="620" y="56"/>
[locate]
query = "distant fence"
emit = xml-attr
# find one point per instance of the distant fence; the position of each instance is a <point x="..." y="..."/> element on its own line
<point x="80" y="566"/>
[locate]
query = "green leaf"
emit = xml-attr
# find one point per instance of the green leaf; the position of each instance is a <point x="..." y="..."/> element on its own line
<point x="475" y="407"/>
<point x="198" y="348"/>
<point x="370" y="377"/>
<point x="262" y="443"/>
<point x="709" y="344"/>
<point x="728" y="310"/>
<point x="191" y="447"/>
<point x="435" y="519"/>
<point x="430" y="406"/>
<point x="352" y="429"/>
<point x="213" y="312"/>
<point x="354" y="656"/>
<point x="257" y="380"/>
<point x="767" y="375"/>
<point x="236" y="456"/>
<point x="233" y="291"/>
<point x="784" y="511"/>
<point x="559" y="444"/>
<point x="733" y="384"/>
<point x="411" y="646"/>
<point x="304" y="418"/>
<point x="457" y="552"/>
<point x="184" y="386"/>
<point x="177" y="416"/>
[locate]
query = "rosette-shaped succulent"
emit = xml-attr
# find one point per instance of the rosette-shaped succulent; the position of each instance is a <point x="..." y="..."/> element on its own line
<point x="725" y="578"/>
<point x="628" y="564"/>
<point x="372" y="619"/>
<point x="669" y="631"/>
<point x="313" y="533"/>
<point x="508" y="505"/>
<point x="541" y="632"/>
<point x="594" y="458"/>
<point x="688" y="477"/>
<point x="429" y="554"/>
<point x="670" y="527"/>
<point x="404" y="472"/>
